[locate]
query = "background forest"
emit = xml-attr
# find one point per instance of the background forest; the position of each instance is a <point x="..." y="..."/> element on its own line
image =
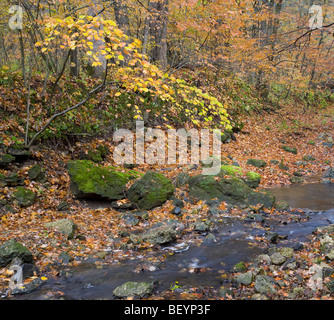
<point x="111" y="62"/>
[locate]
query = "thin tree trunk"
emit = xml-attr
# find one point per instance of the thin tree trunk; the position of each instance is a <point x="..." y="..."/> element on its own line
<point x="158" y="30"/>
<point x="98" y="71"/>
<point x="122" y="16"/>
<point x="24" y="75"/>
<point x="122" y="20"/>
<point x="75" y="64"/>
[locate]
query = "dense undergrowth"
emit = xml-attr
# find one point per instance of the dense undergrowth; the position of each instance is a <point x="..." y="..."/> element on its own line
<point x="114" y="108"/>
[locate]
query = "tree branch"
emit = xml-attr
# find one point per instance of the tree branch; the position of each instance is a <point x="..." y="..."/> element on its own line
<point x="56" y="115"/>
<point x="310" y="31"/>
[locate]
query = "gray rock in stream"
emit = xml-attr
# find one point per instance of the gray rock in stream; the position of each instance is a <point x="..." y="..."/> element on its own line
<point x="264" y="284"/>
<point x="133" y="289"/>
<point x="277" y="258"/>
<point x="159" y="234"/>
<point x="28" y="287"/>
<point x="245" y="278"/>
<point x="328" y="176"/>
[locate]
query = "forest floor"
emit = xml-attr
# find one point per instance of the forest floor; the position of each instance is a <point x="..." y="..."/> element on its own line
<point x="261" y="138"/>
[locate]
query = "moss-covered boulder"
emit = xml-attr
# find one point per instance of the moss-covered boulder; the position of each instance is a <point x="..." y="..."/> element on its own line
<point x="240" y="267"/>
<point x="252" y="179"/>
<point x="181" y="179"/>
<point x="12" y="249"/>
<point x="256" y="163"/>
<point x="283" y="166"/>
<point x="11" y="180"/>
<point x="5" y="160"/>
<point x="18" y="151"/>
<point x="263" y="198"/>
<point x="230" y="170"/>
<point x="36" y="173"/>
<point x="96" y="155"/>
<point x="227" y="136"/>
<point x="89" y="180"/>
<point x="24" y="197"/>
<point x="232" y="190"/>
<point x="3" y="182"/>
<point x="205" y="188"/>
<point x="235" y="189"/>
<point x="308" y="158"/>
<point x="151" y="190"/>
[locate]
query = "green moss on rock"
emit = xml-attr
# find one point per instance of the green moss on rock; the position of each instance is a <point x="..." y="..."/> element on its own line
<point x="257" y="163"/>
<point x="12" y="249"/>
<point x="230" y="170"/>
<point x="152" y="190"/>
<point x="253" y="179"/>
<point x="5" y="160"/>
<point x="24" y="197"/>
<point x="36" y="172"/>
<point x="89" y="180"/>
<point x="204" y="188"/>
<point x="289" y="149"/>
<point x="232" y="190"/>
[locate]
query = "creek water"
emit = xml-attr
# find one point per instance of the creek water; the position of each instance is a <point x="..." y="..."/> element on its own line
<point x="202" y="265"/>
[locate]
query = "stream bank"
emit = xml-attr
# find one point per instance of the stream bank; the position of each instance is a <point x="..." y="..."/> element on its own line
<point x="259" y="256"/>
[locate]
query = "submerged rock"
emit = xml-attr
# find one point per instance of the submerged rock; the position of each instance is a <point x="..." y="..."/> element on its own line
<point x="28" y="287"/>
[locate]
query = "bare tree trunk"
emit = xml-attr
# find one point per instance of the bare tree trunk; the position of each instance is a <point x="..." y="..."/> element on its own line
<point x="122" y="16"/>
<point x="75" y="64"/>
<point x="122" y="20"/>
<point x="98" y="71"/>
<point x="158" y="31"/>
<point x="23" y="66"/>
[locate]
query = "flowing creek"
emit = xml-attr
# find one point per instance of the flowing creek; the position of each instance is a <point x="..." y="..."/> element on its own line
<point x="233" y="244"/>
